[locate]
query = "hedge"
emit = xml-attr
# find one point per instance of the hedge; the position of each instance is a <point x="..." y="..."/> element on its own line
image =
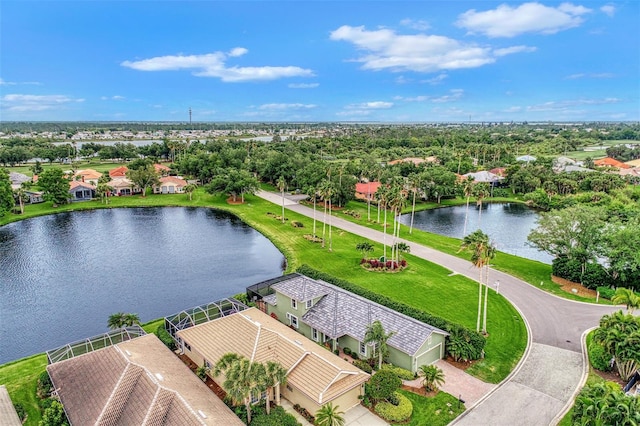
<point x="598" y="357"/>
<point x="476" y="339"/>
<point x="399" y="371"/>
<point x="606" y="292"/>
<point x="363" y="365"/>
<point x="395" y="413"/>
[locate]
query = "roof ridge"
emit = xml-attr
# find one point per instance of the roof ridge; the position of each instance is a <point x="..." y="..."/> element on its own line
<point x="127" y="381"/>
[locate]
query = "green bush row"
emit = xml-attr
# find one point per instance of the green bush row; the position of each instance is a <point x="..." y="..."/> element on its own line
<point x="402" y="373"/>
<point x="395" y="413"/>
<point x="475" y="339"/>
<point x="363" y="365"/>
<point x="606" y="292"/>
<point x="165" y="337"/>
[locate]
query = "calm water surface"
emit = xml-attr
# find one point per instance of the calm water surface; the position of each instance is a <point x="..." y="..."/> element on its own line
<point x="507" y="225"/>
<point x="61" y="276"/>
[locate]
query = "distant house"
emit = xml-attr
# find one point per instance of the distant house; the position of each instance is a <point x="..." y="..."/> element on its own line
<point x="81" y="191"/>
<point x="135" y="382"/>
<point x="118" y="172"/>
<point x="161" y="169"/>
<point x="526" y="158"/>
<point x="484" y="176"/>
<point x="170" y="185"/>
<point x="323" y="312"/>
<point x="366" y="190"/>
<point x="315" y="376"/>
<point x="416" y="161"/>
<point x="17" y="179"/>
<point x="611" y="162"/>
<point x="35" y="197"/>
<point x="89" y="175"/>
<point x="499" y="171"/>
<point x="633" y="163"/>
<point x="123" y="186"/>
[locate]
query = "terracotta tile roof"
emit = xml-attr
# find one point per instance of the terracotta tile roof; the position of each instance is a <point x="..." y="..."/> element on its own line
<point x="119" y="172"/>
<point x="79" y="184"/>
<point x="137" y="382"/>
<point x="367" y="188"/>
<point x="120" y="182"/>
<point x="611" y="162"/>
<point x="313" y="370"/>
<point x="341" y="313"/>
<point x="88" y="174"/>
<point x="173" y="179"/>
<point x="633" y="163"/>
<point x="161" y="168"/>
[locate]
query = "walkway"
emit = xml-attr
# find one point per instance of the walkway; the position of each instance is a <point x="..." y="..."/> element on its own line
<point x="542" y="386"/>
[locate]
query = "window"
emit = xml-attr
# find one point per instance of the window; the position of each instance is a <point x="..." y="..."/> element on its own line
<point x="207" y="364"/>
<point x="309" y="304"/>
<point x="257" y="397"/>
<point x="187" y="346"/>
<point x="293" y="320"/>
<point x="294" y="303"/>
<point x="314" y="334"/>
<point x="363" y="349"/>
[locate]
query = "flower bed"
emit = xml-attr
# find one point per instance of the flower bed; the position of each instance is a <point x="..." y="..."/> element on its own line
<point x="383" y="266"/>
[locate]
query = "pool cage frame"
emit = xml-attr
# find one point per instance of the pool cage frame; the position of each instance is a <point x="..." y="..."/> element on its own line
<point x="201" y="314"/>
<point x="90" y="344"/>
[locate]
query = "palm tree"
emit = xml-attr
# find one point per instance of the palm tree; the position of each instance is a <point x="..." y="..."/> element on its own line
<point x="415" y="184"/>
<point x="376" y="335"/>
<point x="130" y="319"/>
<point x="276" y="376"/>
<point x="103" y="192"/>
<point x="116" y="320"/>
<point x="282" y="184"/>
<point x="383" y="195"/>
<point x="243" y="379"/>
<point x="432" y="377"/>
<point x="21" y="195"/>
<point x="189" y="190"/>
<point x="328" y="415"/>
<point x="364" y="248"/>
<point x="481" y="191"/>
<point x="481" y="252"/>
<point x="627" y="297"/>
<point x="467" y="189"/>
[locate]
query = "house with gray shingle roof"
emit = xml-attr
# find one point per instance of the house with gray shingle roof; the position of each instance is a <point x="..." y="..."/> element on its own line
<point x="326" y="313"/>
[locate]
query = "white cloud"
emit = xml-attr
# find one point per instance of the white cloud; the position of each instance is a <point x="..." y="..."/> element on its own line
<point x="508" y="21"/>
<point x="14" y="83"/>
<point x="283" y="107"/>
<point x="28" y="103"/>
<point x="454" y="95"/>
<point x="566" y="105"/>
<point x="437" y="79"/>
<point x="514" y="49"/>
<point x="214" y="65"/>
<point x="384" y="49"/>
<point x="513" y="109"/>
<point x="589" y="75"/>
<point x="303" y="85"/>
<point x="112" y="98"/>
<point x="608" y="9"/>
<point x="371" y="105"/>
<point x="420" y="25"/>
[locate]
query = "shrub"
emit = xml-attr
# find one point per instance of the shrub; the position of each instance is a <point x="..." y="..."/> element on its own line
<point x="399" y="371"/>
<point x="44" y="386"/>
<point x="606" y="292"/>
<point x="461" y="344"/>
<point x="165" y="337"/>
<point x="395" y="413"/>
<point x="297" y="224"/>
<point x="355" y="355"/>
<point x="277" y="417"/>
<point x="595" y="275"/>
<point x="598" y="357"/>
<point x="347" y="351"/>
<point x="382" y="384"/>
<point x="363" y="365"/>
<point x="22" y="413"/>
<point x="473" y="338"/>
<point x="336" y="351"/>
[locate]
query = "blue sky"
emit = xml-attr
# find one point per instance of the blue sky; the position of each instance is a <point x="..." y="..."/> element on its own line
<point x="389" y="61"/>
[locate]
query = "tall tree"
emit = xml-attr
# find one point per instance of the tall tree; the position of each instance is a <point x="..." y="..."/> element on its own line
<point x="282" y="184"/>
<point x="243" y="379"/>
<point x="6" y="193"/>
<point x="627" y="297"/>
<point x="276" y="376"/>
<point x="55" y="186"/>
<point x="467" y="190"/>
<point x="481" y="252"/>
<point x="378" y="337"/>
<point x="432" y="377"/>
<point x="144" y="177"/>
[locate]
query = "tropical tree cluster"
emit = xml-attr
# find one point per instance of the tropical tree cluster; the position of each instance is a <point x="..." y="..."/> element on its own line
<point x="244" y="380"/>
<point x="6" y="193"/>
<point x="619" y="335"/>
<point x="121" y="319"/>
<point x="605" y="404"/>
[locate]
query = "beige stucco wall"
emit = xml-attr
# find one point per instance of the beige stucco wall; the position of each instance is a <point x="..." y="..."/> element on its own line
<point x="345" y="401"/>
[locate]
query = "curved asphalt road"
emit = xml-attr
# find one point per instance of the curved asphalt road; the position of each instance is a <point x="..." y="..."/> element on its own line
<point x="541" y="388"/>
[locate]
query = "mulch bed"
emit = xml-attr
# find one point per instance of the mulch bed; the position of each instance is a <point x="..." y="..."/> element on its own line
<point x="215" y="388"/>
<point x="419" y="391"/>
<point x="568" y="286"/>
<point x="237" y="201"/>
<point x="611" y="376"/>
<point x="460" y="364"/>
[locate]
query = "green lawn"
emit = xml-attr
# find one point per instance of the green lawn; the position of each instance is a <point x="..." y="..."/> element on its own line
<point x="20" y="377"/>
<point x="433" y="411"/>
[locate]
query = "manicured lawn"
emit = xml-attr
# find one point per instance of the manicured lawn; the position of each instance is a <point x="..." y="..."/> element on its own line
<point x="20" y="377"/>
<point x="433" y="411"/>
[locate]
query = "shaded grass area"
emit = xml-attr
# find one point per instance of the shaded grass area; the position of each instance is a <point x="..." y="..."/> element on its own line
<point x="433" y="411"/>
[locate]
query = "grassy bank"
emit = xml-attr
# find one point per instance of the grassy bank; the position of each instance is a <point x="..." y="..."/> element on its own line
<point x="423" y="285"/>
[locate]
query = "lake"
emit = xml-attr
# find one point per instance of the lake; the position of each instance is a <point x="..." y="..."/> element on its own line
<point x="507" y="225"/>
<point x="62" y="275"/>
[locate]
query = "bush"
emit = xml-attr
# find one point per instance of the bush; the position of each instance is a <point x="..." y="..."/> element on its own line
<point x="22" y="413"/>
<point x="165" y="337"/>
<point x="461" y="344"/>
<point x="606" y="292"/>
<point x="402" y="373"/>
<point x="44" y="386"/>
<point x="595" y="275"/>
<point x="277" y="417"/>
<point x="346" y="351"/>
<point x="363" y="365"/>
<point x="382" y="384"/>
<point x="598" y="357"/>
<point x="395" y="413"/>
<point x="474" y="338"/>
<point x="297" y="224"/>
<point x="501" y="192"/>
<point x="336" y="351"/>
<point x="355" y="356"/>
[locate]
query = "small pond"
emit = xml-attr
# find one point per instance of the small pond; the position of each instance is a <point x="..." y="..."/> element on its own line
<point x="507" y="225"/>
<point x="62" y="275"/>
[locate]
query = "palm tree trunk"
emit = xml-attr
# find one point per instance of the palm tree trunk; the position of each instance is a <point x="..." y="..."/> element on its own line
<point x="369" y="201"/>
<point x="314" y="216"/>
<point x="282" y="205"/>
<point x="330" y="240"/>
<point x="268" y="400"/>
<point x="466" y="217"/>
<point x="384" y="234"/>
<point x="324" y="221"/>
<point x="486" y="297"/>
<point x="247" y="404"/>
<point x="479" y="301"/>
<point x="413" y="210"/>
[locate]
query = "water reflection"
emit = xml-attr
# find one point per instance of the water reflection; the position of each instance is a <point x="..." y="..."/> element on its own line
<point x="508" y="225"/>
<point x="62" y="275"/>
